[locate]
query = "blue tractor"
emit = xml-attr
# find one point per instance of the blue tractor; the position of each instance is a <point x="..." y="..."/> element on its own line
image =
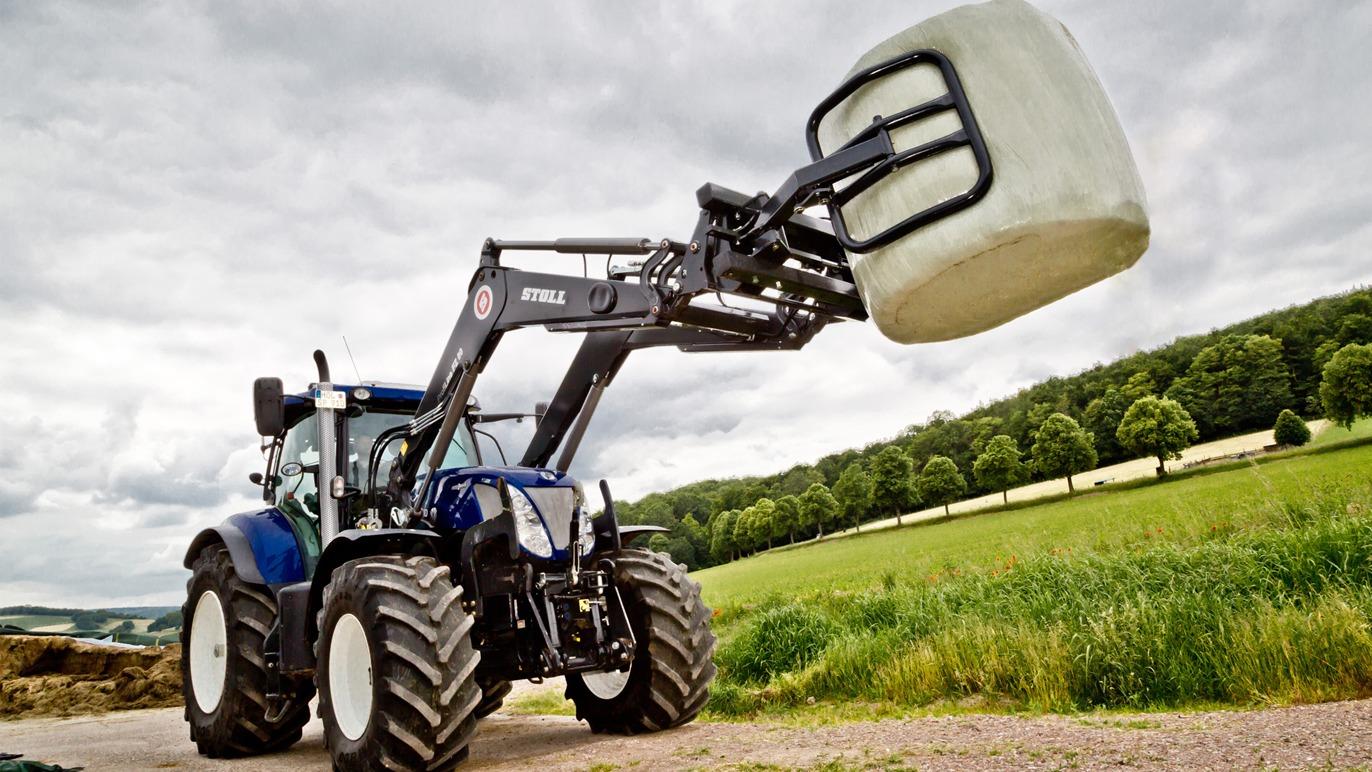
<point x="406" y="580"/>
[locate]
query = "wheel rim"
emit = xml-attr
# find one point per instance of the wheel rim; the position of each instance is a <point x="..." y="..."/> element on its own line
<point x="350" y="676"/>
<point x="209" y="651"/>
<point x="607" y="685"/>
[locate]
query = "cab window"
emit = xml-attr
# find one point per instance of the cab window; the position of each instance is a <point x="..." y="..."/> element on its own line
<point x="300" y="448"/>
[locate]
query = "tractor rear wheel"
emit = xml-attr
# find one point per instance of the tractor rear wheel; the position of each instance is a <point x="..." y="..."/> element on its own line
<point x="223" y="672"/>
<point x="396" y="668"/>
<point x="493" y="691"/>
<point x="669" y="680"/>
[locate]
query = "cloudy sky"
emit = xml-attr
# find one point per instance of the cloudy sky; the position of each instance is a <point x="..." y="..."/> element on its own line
<point x="193" y="195"/>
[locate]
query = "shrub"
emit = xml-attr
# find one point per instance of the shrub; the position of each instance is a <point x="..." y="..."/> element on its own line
<point x="1290" y="429"/>
<point x="780" y="639"/>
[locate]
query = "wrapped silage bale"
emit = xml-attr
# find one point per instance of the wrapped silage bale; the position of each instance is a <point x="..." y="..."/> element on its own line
<point x="1065" y="208"/>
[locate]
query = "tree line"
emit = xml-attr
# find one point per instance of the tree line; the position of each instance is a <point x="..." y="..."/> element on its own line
<point x="1155" y="403"/>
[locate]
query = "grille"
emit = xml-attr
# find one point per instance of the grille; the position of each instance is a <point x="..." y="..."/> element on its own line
<point x="555" y="504"/>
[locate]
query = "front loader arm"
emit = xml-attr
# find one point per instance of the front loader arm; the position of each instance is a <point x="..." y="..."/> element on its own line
<point x="787" y="271"/>
<point x="500" y="299"/>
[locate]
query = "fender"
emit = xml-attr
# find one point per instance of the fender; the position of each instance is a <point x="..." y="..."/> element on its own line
<point x="355" y="543"/>
<point x="610" y="536"/>
<point x="627" y="533"/>
<point x="244" y="562"/>
<point x="262" y="544"/>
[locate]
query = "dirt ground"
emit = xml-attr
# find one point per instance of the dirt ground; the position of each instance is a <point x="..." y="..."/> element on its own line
<point x="1329" y="736"/>
<point x="57" y="676"/>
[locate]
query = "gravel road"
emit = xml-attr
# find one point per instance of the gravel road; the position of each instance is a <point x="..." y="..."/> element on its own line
<point x="1333" y="735"/>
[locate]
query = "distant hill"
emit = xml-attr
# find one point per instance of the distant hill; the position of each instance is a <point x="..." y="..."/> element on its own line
<point x="51" y="611"/>
<point x="126" y="624"/>
<point x="144" y="611"/>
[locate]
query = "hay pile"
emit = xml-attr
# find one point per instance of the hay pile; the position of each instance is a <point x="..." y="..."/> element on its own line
<point x="57" y="676"/>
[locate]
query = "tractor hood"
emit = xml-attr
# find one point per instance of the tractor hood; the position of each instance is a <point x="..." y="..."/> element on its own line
<point x="464" y="497"/>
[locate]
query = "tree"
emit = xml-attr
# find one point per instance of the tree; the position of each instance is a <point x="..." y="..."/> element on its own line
<point x="653" y="509"/>
<point x="1355" y="328"/>
<point x="854" y="493"/>
<point x="797" y="479"/>
<point x="999" y="468"/>
<point x="765" y="524"/>
<point x="695" y="534"/>
<point x="1290" y="429"/>
<point x="743" y="530"/>
<point x="1102" y="418"/>
<point x="168" y="621"/>
<point x="1061" y="447"/>
<point x="819" y="507"/>
<point x="941" y="482"/>
<point x="1037" y="415"/>
<point x="1238" y="383"/>
<point x="788" y="516"/>
<point x="722" y="544"/>
<point x="676" y="546"/>
<point x="1157" y="427"/>
<point x="892" y="480"/>
<point x="690" y="503"/>
<point x="88" y="620"/>
<point x="1138" y="386"/>
<point x="1346" y="390"/>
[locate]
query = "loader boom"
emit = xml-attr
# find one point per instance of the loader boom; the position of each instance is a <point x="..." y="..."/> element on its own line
<point x="789" y="280"/>
<point x="787" y="273"/>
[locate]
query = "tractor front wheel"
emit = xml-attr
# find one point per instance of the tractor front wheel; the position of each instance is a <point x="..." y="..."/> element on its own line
<point x="223" y="672"/>
<point x="396" y="668"/>
<point x="668" y="681"/>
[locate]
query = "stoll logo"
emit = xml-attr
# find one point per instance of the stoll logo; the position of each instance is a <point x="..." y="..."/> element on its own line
<point x="482" y="301"/>
<point x="535" y="295"/>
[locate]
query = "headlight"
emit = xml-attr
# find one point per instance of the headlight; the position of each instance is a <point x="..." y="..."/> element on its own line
<point x="587" y="532"/>
<point x="532" y="535"/>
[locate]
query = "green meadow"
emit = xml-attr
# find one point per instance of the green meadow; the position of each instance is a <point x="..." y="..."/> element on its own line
<point x="1248" y="584"/>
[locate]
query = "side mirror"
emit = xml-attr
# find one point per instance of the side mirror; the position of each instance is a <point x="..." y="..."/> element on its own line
<point x="540" y="410"/>
<point x="269" y="411"/>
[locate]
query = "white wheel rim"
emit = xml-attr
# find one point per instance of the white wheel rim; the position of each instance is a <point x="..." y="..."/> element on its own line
<point x="606" y="686"/>
<point x="209" y="651"/>
<point x="350" y="676"/>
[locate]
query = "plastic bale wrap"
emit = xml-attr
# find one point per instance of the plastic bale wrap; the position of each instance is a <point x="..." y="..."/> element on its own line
<point x="1065" y="208"/>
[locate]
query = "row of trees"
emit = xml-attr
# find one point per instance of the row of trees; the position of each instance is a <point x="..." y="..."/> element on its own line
<point x="1228" y="381"/>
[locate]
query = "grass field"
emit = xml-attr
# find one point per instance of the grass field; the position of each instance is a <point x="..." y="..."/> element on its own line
<point x="1247" y="585"/>
<point x="37" y="621"/>
<point x="1337" y="434"/>
<point x="1179" y="510"/>
<point x="50" y="623"/>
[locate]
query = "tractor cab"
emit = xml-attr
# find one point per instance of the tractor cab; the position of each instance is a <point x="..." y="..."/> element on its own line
<point x="464" y="492"/>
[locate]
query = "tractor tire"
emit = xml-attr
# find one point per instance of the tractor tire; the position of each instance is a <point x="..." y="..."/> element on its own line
<point x="223" y="671"/>
<point x="493" y="691"/>
<point x="669" y="680"/>
<point x="401" y="619"/>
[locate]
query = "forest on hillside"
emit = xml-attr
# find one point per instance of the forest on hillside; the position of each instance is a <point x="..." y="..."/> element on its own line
<point x="1230" y="381"/>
